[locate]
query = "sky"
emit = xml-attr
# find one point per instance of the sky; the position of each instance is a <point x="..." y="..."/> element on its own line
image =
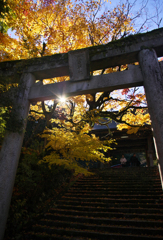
<point x="150" y="9"/>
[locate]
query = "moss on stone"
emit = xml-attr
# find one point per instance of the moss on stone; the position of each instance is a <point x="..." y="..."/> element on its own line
<point x="11" y="68"/>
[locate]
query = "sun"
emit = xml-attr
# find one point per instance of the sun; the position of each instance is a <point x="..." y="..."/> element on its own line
<point x="62" y="99"/>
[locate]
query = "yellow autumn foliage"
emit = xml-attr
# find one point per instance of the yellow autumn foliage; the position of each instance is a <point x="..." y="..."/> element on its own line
<point x="70" y="149"/>
<point x="138" y="119"/>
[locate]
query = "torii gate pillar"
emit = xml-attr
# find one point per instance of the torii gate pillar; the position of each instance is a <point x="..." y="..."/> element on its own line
<point x="11" y="148"/>
<point x="153" y="84"/>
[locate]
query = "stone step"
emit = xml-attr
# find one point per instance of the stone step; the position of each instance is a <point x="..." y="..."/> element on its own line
<point x="101" y="220"/>
<point x="126" y="174"/>
<point x="54" y="213"/>
<point x="118" y="204"/>
<point x="73" y="232"/>
<point x="111" y="209"/>
<point x="87" y="236"/>
<point x="134" y="169"/>
<point x="115" y="182"/>
<point x="89" y="195"/>
<point x="120" y="189"/>
<point x="111" y="204"/>
<point x="118" y="186"/>
<point x="114" y="191"/>
<point x="119" y="177"/>
<point x="112" y="187"/>
<point x="111" y="199"/>
<point x="101" y="228"/>
<point x="126" y="178"/>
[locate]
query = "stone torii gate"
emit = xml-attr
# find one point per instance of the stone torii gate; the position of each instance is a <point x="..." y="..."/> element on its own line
<point x="142" y="48"/>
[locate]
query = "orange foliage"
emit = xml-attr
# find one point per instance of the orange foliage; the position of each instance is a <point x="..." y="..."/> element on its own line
<point x="47" y="27"/>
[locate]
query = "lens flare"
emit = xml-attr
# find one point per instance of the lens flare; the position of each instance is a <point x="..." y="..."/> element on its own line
<point x="62" y="99"/>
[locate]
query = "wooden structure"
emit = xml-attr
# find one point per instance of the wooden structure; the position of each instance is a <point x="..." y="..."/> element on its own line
<point x="141" y="142"/>
<point x="142" y="48"/>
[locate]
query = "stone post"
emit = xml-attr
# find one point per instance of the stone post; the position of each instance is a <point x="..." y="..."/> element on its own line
<point x="11" y="148"/>
<point x="153" y="84"/>
<point x="151" y="153"/>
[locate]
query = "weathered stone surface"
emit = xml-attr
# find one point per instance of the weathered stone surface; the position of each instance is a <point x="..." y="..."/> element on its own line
<point x="107" y="82"/>
<point x="42" y="68"/>
<point x="112" y="54"/>
<point x="125" y="51"/>
<point x="79" y="66"/>
<point x="161" y="66"/>
<point x="10" y="151"/>
<point x="153" y="84"/>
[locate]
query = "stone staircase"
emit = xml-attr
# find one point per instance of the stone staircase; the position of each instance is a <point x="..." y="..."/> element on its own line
<point x="114" y="204"/>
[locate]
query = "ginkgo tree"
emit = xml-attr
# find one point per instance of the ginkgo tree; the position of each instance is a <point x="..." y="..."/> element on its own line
<point x="72" y="149"/>
<point x="46" y="27"/>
